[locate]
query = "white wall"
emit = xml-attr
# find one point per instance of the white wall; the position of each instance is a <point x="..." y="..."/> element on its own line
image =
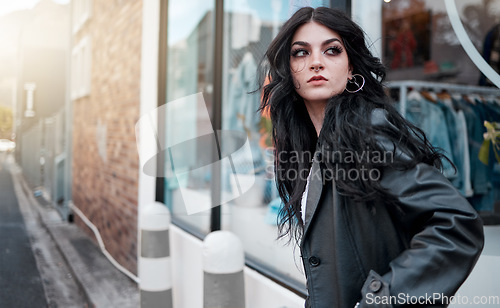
<point x="187" y="271"/>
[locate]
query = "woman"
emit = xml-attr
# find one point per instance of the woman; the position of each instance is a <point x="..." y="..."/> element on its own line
<point x="377" y="223"/>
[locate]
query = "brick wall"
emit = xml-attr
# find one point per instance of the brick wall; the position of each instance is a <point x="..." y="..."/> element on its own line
<point x="105" y="158"/>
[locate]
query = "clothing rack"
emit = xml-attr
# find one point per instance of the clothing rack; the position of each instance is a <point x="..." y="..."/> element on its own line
<point x="437" y="86"/>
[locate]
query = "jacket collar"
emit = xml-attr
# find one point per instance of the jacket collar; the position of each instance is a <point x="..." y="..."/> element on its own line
<point x="313" y="195"/>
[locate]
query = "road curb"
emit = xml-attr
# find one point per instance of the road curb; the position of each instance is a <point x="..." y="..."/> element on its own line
<point x="42" y="216"/>
<point x="100" y="283"/>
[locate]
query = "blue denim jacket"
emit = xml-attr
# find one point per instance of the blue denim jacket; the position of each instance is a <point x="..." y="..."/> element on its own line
<point x="475" y="136"/>
<point x="457" y="143"/>
<point x="430" y="118"/>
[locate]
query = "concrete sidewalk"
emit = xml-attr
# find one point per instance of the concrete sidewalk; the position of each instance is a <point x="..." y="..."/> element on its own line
<point x="100" y="282"/>
<point x="20" y="280"/>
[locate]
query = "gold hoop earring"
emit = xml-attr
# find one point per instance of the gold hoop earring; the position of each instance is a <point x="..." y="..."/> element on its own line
<point x="356" y="82"/>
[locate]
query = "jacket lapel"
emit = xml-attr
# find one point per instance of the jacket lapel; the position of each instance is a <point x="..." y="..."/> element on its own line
<point x="313" y="194"/>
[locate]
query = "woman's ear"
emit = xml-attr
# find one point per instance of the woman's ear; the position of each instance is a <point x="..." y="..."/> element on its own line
<point x="349" y="75"/>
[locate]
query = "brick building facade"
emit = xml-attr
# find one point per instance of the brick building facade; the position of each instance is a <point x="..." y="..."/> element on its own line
<point x="105" y="158"/>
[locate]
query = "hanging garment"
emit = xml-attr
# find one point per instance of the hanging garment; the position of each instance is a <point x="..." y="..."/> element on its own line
<point x="466" y="188"/>
<point x="482" y="184"/>
<point x="241" y="114"/>
<point x="243" y="102"/>
<point x="475" y="139"/>
<point x="485" y="202"/>
<point x="456" y="148"/>
<point x="430" y="118"/>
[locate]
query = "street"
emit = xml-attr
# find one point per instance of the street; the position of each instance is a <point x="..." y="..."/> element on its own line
<point x="33" y="273"/>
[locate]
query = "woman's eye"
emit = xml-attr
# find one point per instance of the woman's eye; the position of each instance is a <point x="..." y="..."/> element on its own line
<point x="299" y="53"/>
<point x="333" y="51"/>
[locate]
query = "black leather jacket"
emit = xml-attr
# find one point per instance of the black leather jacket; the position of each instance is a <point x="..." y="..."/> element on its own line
<point x="418" y="252"/>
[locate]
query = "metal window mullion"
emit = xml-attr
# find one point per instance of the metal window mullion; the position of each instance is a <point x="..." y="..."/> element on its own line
<point x="218" y="17"/>
<point x="162" y="97"/>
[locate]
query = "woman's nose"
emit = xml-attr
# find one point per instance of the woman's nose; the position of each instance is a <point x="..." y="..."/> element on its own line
<point x="316" y="67"/>
<point x="316" y="63"/>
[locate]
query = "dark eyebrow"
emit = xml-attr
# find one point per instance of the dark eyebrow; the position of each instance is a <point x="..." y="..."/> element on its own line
<point x="302" y="43"/>
<point x="331" y="41"/>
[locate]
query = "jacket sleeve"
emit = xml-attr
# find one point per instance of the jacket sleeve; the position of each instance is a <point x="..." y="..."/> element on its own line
<point x="445" y="239"/>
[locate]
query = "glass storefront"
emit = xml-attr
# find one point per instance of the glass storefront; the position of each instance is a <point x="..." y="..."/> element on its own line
<point x="428" y="70"/>
<point x="451" y="98"/>
<point x="250" y="27"/>
<point x="189" y="71"/>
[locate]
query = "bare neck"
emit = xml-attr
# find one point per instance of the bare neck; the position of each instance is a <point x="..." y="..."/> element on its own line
<point x="316" y="112"/>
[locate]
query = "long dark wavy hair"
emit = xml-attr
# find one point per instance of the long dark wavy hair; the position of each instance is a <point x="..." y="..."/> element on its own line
<point x="347" y="126"/>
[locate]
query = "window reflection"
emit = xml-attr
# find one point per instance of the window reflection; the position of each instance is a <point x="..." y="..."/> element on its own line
<point x="420" y="43"/>
<point x="189" y="71"/>
<point x="250" y="27"/>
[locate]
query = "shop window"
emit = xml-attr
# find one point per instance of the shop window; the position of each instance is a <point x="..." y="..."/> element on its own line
<point x="440" y="87"/>
<point x="250" y="27"/>
<point x="189" y="71"/>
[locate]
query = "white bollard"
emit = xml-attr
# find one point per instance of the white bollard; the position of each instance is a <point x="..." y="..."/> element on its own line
<point x="223" y="262"/>
<point x="155" y="268"/>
